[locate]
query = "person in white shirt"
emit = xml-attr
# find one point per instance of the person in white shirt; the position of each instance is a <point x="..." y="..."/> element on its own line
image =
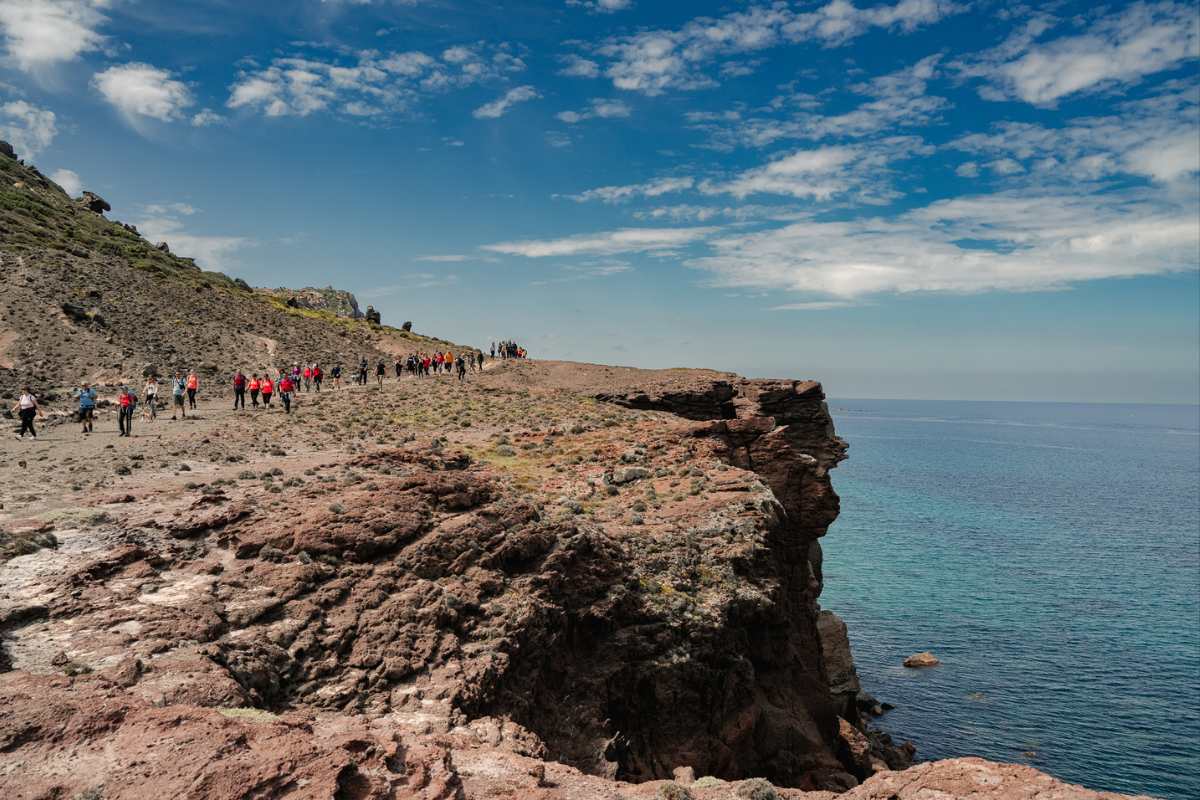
<point x="150" y="394"/>
<point x="27" y="408"/>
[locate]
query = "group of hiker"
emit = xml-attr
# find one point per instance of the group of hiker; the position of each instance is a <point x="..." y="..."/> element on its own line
<point x="507" y="350"/>
<point x="263" y="388"/>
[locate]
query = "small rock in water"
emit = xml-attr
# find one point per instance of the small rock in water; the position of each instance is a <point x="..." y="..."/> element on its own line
<point x="925" y="659"/>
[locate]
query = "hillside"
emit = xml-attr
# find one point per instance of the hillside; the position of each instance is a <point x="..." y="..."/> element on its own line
<point x="86" y="298"/>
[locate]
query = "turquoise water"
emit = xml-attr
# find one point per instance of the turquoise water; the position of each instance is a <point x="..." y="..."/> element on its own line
<point x="1049" y="554"/>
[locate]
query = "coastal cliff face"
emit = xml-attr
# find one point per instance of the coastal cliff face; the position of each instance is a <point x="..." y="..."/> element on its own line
<point x="623" y="591"/>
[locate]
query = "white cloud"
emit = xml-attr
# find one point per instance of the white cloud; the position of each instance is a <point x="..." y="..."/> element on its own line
<point x="598" y="108"/>
<point x="170" y="209"/>
<point x="897" y="100"/>
<point x="968" y="169"/>
<point x="42" y="33"/>
<point x="578" y="67"/>
<point x="602" y="6"/>
<point x="29" y="129"/>
<point x="69" y="180"/>
<point x="1121" y="48"/>
<point x="607" y="243"/>
<point x="443" y="259"/>
<point x="587" y="271"/>
<point x="1155" y="138"/>
<point x="210" y="252"/>
<point x="617" y="194"/>
<point x="655" y="61"/>
<point x="501" y="105"/>
<point x="822" y="173"/>
<point x="742" y="212"/>
<point x="206" y="117"/>
<point x="141" y="90"/>
<point x="1029" y="242"/>
<point x="369" y="84"/>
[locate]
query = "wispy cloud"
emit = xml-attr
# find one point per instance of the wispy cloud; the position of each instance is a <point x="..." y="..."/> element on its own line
<point x="449" y="258"/>
<point x="607" y="243"/>
<point x="1000" y="242"/>
<point x="598" y="108"/>
<point x="501" y="105"/>
<point x="1156" y="138"/>
<point x="617" y="194"/>
<point x="367" y="83"/>
<point x="897" y="100"/>
<point x="823" y="173"/>
<point x="655" y="61"/>
<point x="27" y="128"/>
<point x="42" y="33"/>
<point x="1117" y="49"/>
<point x="602" y="6"/>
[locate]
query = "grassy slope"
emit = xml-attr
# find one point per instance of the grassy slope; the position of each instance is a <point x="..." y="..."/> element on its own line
<point x="156" y="308"/>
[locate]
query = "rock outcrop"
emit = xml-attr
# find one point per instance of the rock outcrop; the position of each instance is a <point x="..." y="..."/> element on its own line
<point x="94" y="203"/>
<point x="336" y="301"/>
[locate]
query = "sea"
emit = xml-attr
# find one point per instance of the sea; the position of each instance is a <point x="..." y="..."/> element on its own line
<point x="1049" y="555"/>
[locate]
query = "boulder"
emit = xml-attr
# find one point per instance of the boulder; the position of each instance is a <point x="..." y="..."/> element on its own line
<point x="629" y="474"/>
<point x="407" y="326"/>
<point x="163" y="247"/>
<point x="924" y="659"/>
<point x="373" y="316"/>
<point x="94" y="202"/>
<point x="6" y="149"/>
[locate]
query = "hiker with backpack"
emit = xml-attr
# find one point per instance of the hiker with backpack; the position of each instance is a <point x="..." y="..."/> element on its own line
<point x="239" y="390"/>
<point x="27" y="408"/>
<point x="87" y="407"/>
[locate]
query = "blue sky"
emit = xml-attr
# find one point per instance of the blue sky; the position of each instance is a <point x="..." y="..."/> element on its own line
<point x="910" y="199"/>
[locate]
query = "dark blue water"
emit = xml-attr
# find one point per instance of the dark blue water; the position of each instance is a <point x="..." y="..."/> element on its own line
<point x="1049" y="554"/>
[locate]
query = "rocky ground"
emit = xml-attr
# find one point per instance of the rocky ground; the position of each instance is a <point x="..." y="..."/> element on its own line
<point x="502" y="588"/>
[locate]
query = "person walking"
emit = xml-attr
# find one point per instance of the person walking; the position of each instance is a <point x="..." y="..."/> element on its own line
<point x="126" y="402"/>
<point x="193" y="386"/>
<point x="317" y="377"/>
<point x="460" y="366"/>
<point x="336" y="372"/>
<point x="307" y="376"/>
<point x="87" y="407"/>
<point x="380" y="371"/>
<point x="267" y="390"/>
<point x="286" y="387"/>
<point x="150" y="398"/>
<point x="178" y="394"/>
<point x="239" y="390"/>
<point x="253" y="385"/>
<point x="27" y="408"/>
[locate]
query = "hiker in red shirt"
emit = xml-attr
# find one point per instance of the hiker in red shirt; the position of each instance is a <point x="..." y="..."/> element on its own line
<point x="286" y="387"/>
<point x="254" y="386"/>
<point x="239" y="390"/>
<point x="318" y="376"/>
<point x="267" y="390"/>
<point x="125" y="413"/>
<point x="307" y="376"/>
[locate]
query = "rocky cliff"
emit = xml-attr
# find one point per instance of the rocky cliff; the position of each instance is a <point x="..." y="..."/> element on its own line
<point x="649" y="607"/>
<point x="338" y="302"/>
